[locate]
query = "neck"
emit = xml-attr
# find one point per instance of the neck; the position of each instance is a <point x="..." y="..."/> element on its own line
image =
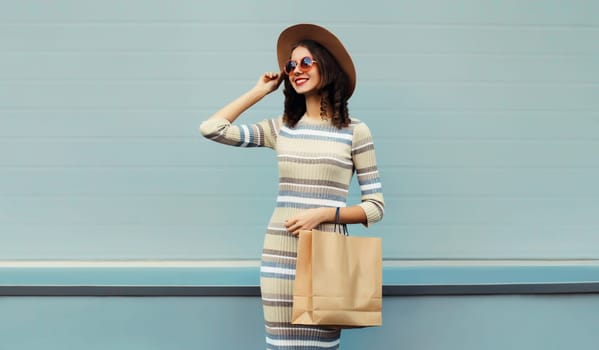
<point x="313" y="106"/>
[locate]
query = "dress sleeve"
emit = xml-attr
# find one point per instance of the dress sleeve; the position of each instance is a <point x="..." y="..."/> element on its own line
<point x="364" y="159"/>
<point x="262" y="134"/>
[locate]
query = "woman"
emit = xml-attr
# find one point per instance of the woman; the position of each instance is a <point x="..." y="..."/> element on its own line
<point x="318" y="148"/>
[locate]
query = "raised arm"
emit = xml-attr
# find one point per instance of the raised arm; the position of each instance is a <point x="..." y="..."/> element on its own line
<point x="267" y="83"/>
<point x="219" y="126"/>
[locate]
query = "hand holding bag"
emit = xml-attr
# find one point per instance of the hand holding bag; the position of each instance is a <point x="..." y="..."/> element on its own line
<point x="338" y="279"/>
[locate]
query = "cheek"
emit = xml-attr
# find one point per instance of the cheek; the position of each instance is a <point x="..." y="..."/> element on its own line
<point x="316" y="74"/>
<point x="317" y="80"/>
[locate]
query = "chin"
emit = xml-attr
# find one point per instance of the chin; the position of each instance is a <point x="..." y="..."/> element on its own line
<point x="306" y="90"/>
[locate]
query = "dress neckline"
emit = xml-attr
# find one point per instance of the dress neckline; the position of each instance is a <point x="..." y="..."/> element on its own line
<point x="314" y="121"/>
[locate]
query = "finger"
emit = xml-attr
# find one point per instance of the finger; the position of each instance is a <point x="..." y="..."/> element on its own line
<point x="295" y="228"/>
<point x="281" y="78"/>
<point x="271" y="75"/>
<point x="289" y="223"/>
<point x="292" y="228"/>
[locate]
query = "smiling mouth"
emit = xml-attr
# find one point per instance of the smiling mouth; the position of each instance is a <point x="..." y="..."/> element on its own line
<point x="300" y="81"/>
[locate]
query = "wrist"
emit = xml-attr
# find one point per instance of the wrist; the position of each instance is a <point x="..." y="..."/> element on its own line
<point x="258" y="92"/>
<point x="255" y="94"/>
<point x="329" y="214"/>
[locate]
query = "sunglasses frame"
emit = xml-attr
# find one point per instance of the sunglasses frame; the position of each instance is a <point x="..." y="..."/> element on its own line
<point x="304" y="66"/>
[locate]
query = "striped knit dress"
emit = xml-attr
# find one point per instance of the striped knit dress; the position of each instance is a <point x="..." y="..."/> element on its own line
<point x="316" y="163"/>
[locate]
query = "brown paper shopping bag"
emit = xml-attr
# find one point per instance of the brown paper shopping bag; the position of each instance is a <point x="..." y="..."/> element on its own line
<point x="338" y="280"/>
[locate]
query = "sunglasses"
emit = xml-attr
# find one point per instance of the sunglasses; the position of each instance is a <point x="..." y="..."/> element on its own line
<point x="305" y="65"/>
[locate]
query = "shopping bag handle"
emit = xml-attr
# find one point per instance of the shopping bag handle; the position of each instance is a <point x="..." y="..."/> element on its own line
<point x="341" y="228"/>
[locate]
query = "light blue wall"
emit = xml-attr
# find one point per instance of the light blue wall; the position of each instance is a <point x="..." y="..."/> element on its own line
<point x="414" y="323"/>
<point x="485" y="118"/>
<point x="486" y="121"/>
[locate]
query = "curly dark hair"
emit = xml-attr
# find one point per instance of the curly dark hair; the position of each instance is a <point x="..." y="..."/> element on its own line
<point x="333" y="89"/>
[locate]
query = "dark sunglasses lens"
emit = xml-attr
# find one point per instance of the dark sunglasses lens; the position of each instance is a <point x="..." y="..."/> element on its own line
<point x="306" y="63"/>
<point x="290" y="66"/>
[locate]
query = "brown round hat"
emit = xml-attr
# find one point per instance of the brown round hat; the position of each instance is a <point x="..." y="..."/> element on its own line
<point x="296" y="33"/>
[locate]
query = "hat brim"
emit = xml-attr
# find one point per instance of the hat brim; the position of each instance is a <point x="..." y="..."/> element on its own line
<point x="296" y="33"/>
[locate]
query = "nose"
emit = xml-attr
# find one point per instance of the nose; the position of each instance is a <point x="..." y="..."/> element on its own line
<point x="297" y="70"/>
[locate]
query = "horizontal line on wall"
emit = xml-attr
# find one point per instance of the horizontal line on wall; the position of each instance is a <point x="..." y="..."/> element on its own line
<point x="254" y="291"/>
<point x="485" y="24"/>
<point x="127" y="167"/>
<point x="70" y="109"/>
<point x="129" y="291"/>
<point x="466" y="53"/>
<point x="256" y="263"/>
<point x="471" y="167"/>
<point x="256" y="196"/>
<point x="494" y="289"/>
<point x="357" y="52"/>
<point x="261" y="226"/>
<point x="398" y="140"/>
<point x="201" y="168"/>
<point x="401" y="113"/>
<point x="100" y="139"/>
<point x="476" y="83"/>
<point x="200" y="109"/>
<point x="452" y="83"/>
<point x="400" y="278"/>
<point x="489" y="262"/>
<point x="212" y="109"/>
<point x="128" y="263"/>
<point x="228" y="166"/>
<point x="395" y="139"/>
<point x="214" y="195"/>
<point x="394" y="82"/>
<point x="515" y="140"/>
<point x="279" y="24"/>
